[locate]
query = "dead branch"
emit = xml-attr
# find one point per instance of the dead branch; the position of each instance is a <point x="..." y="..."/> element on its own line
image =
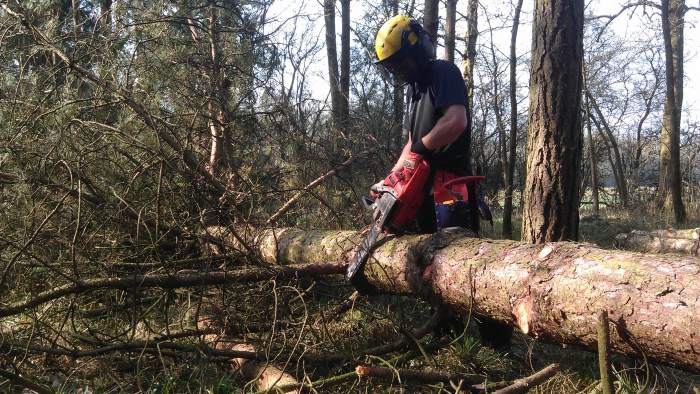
<point x="153" y="347"/>
<point x="26" y="383"/>
<point x="525" y="384"/>
<point x="7" y="178"/>
<point x="367" y="371"/>
<point x="317" y="182"/>
<point x="174" y="281"/>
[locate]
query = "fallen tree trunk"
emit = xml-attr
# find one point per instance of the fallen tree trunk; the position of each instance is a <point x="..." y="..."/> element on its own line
<point x="660" y="241"/>
<point x="553" y="292"/>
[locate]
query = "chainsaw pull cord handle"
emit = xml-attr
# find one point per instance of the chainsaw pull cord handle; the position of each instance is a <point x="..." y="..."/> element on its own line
<point x="465" y="179"/>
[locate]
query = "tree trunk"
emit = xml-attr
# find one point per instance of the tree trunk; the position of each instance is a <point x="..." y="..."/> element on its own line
<point x="470" y="54"/>
<point x="345" y="64"/>
<point x="106" y="9"/>
<point x="553" y="292"/>
<point x="332" y="55"/>
<point x="399" y="98"/>
<point x="592" y="162"/>
<point x="554" y="137"/>
<point x="648" y="106"/>
<point x="431" y="18"/>
<point x="450" y="21"/>
<point x="672" y="18"/>
<point x="509" y="169"/>
<point x="618" y="167"/>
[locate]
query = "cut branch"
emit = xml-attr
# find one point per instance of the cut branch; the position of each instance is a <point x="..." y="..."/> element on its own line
<point x="26" y="383"/>
<point x="367" y="371"/>
<point x="524" y="385"/>
<point x="661" y="241"/>
<point x="174" y="281"/>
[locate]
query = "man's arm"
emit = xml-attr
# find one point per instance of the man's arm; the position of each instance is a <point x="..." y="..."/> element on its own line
<point x="448" y="127"/>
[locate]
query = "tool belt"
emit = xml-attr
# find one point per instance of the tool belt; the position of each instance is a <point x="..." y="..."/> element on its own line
<point x="456" y="200"/>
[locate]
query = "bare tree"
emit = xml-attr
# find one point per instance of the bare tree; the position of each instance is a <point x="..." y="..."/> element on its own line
<point x="618" y="167"/>
<point x="509" y="165"/>
<point x="592" y="162"/>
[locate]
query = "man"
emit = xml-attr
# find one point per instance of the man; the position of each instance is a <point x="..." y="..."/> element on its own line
<point x="439" y="130"/>
<point x="437" y="119"/>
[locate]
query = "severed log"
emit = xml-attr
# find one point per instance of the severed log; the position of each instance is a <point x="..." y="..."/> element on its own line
<point x="264" y="375"/>
<point x="660" y="241"/>
<point x="553" y="292"/>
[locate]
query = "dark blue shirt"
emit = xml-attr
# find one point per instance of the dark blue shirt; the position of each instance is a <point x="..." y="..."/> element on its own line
<point x="441" y="86"/>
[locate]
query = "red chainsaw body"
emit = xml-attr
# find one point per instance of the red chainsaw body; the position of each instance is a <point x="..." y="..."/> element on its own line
<point x="408" y="192"/>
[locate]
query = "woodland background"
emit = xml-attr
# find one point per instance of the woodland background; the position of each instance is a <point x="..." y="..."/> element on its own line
<point x="135" y="136"/>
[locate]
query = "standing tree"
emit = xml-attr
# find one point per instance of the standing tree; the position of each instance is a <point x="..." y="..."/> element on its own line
<point x="332" y="56"/>
<point x="509" y="165"/>
<point x="611" y="142"/>
<point x="450" y="21"/>
<point x="470" y="54"/>
<point x="551" y="205"/>
<point x="345" y="63"/>
<point x="591" y="152"/>
<point x="672" y="17"/>
<point x="431" y="18"/>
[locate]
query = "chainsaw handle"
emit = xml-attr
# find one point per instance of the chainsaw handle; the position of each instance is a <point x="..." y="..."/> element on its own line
<point x="464" y="180"/>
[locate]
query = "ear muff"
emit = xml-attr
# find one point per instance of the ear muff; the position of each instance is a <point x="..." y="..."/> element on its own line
<point x="424" y="43"/>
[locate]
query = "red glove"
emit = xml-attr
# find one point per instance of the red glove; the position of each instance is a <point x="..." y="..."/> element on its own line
<point x="410" y="164"/>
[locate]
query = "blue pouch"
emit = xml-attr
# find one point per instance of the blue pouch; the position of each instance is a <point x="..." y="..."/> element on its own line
<point x="453" y="215"/>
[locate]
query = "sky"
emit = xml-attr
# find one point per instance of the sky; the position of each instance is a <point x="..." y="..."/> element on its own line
<point x="628" y="24"/>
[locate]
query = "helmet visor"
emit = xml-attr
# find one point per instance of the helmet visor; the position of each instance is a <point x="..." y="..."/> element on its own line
<point x="403" y="66"/>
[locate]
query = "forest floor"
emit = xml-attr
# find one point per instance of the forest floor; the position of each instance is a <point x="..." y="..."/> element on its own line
<point x="298" y="321"/>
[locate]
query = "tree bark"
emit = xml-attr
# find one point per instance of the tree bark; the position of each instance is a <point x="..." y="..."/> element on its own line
<point x="332" y="56"/>
<point x="431" y="18"/>
<point x="344" y="64"/>
<point x="450" y="21"/>
<point x="554" y="137"/>
<point x="670" y="181"/>
<point x="553" y="292"/>
<point x="470" y="54"/>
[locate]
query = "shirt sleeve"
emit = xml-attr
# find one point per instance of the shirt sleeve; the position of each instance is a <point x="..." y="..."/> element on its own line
<point x="449" y="87"/>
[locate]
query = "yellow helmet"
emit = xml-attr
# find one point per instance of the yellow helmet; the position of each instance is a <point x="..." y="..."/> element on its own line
<point x="403" y="48"/>
<point x="390" y="37"/>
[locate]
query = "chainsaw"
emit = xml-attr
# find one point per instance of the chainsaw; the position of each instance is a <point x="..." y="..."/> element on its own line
<point x="400" y="196"/>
